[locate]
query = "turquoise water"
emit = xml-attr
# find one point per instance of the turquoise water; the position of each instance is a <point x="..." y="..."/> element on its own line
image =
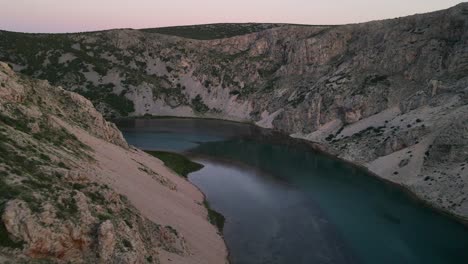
<point x="285" y="203"/>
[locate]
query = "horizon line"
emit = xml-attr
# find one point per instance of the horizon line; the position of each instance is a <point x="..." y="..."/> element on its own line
<point x="218" y="23"/>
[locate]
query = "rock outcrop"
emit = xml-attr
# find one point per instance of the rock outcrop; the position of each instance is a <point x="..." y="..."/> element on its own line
<point x="384" y="94"/>
<point x="62" y="200"/>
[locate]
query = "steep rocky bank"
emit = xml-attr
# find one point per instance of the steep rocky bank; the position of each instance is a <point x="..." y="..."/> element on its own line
<point x="73" y="191"/>
<point x="390" y="95"/>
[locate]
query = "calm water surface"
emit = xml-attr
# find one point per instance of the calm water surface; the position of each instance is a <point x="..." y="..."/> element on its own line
<point x="285" y="203"/>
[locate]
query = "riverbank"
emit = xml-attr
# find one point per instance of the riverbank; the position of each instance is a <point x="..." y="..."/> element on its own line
<point x="183" y="167"/>
<point x="161" y="196"/>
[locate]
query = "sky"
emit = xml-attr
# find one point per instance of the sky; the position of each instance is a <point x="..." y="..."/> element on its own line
<point x="87" y="15"/>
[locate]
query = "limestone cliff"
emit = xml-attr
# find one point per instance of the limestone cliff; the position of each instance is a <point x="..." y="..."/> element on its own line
<point x="390" y="95"/>
<point x="65" y="194"/>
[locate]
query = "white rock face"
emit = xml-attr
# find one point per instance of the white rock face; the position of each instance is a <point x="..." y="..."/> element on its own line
<point x="106" y="240"/>
<point x="66" y="57"/>
<point x="267" y="119"/>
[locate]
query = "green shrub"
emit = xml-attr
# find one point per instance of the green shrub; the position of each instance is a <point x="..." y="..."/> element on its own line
<point x="5" y="240"/>
<point x="104" y="217"/>
<point x="127" y="244"/>
<point x="211" y="31"/>
<point x="172" y="230"/>
<point x="176" y="162"/>
<point x="96" y="197"/>
<point x="67" y="208"/>
<point x="20" y="124"/>
<point x="198" y="105"/>
<point x="214" y="217"/>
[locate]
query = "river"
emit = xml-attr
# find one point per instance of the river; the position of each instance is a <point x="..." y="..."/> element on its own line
<point x="286" y="203"/>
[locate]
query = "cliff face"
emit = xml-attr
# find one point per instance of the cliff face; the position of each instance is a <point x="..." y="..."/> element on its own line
<point x="390" y="95"/>
<point x="63" y="173"/>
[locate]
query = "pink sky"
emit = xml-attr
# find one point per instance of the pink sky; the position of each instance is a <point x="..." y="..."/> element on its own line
<point x="86" y="15"/>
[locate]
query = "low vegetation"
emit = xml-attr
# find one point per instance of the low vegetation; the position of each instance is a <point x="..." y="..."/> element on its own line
<point x="45" y="56"/>
<point x="176" y="162"/>
<point x="211" y="31"/>
<point x="214" y="217"/>
<point x="5" y="240"/>
<point x="104" y="94"/>
<point x="198" y="105"/>
<point x="183" y="166"/>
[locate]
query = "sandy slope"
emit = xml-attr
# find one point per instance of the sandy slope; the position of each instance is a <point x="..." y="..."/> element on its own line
<point x="181" y="208"/>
